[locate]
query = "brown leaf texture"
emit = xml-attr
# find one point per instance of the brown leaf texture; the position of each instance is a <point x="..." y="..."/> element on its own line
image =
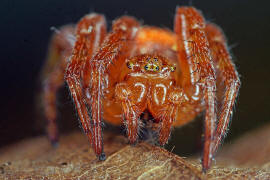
<point x="73" y="159"/>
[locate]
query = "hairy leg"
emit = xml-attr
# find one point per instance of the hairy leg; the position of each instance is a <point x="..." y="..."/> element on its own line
<point x="165" y="111"/>
<point x="197" y="70"/>
<point x="91" y="31"/>
<point x="113" y="50"/>
<point x="133" y="101"/>
<point x="53" y="75"/>
<point x="89" y="74"/>
<point x="229" y="76"/>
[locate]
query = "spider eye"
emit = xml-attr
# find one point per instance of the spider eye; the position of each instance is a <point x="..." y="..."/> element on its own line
<point x="156" y="59"/>
<point x="157" y="68"/>
<point x="173" y="68"/>
<point x="146" y="67"/>
<point x="130" y="65"/>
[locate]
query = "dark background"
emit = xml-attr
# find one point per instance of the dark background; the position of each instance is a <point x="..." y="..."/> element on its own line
<point x="25" y="33"/>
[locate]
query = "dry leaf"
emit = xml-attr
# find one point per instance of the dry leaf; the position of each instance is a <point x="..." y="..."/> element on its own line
<point x="73" y="159"/>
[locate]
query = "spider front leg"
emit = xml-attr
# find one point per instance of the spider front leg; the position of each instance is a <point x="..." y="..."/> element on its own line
<point x="227" y="74"/>
<point x="91" y="31"/>
<point x="164" y="108"/>
<point x="197" y="71"/>
<point x="133" y="100"/>
<point x="96" y="71"/>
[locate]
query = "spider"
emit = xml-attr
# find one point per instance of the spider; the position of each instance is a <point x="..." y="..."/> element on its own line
<point x="116" y="76"/>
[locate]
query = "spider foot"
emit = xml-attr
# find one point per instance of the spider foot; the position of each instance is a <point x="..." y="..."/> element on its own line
<point x="52" y="133"/>
<point x="205" y="169"/>
<point x="133" y="143"/>
<point x="54" y="143"/>
<point x="102" y="157"/>
<point x="162" y="145"/>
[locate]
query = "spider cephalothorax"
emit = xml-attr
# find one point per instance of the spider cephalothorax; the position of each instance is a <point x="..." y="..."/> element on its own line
<point x="134" y="69"/>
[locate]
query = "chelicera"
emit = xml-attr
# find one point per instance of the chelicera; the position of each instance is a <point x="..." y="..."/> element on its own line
<point x="116" y="76"/>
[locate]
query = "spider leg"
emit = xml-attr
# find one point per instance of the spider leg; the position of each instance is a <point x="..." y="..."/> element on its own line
<point x="165" y="112"/>
<point x="132" y="108"/>
<point x="97" y="70"/>
<point x="91" y="31"/>
<point x="60" y="50"/>
<point x="227" y="73"/>
<point x="197" y="70"/>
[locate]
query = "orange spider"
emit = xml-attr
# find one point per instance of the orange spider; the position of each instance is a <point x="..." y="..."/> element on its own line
<point x="117" y="76"/>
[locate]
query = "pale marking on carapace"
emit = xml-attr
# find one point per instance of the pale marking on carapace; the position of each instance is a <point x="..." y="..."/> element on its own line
<point x="149" y="75"/>
<point x="142" y="92"/>
<point x="164" y="95"/>
<point x="196" y="94"/>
